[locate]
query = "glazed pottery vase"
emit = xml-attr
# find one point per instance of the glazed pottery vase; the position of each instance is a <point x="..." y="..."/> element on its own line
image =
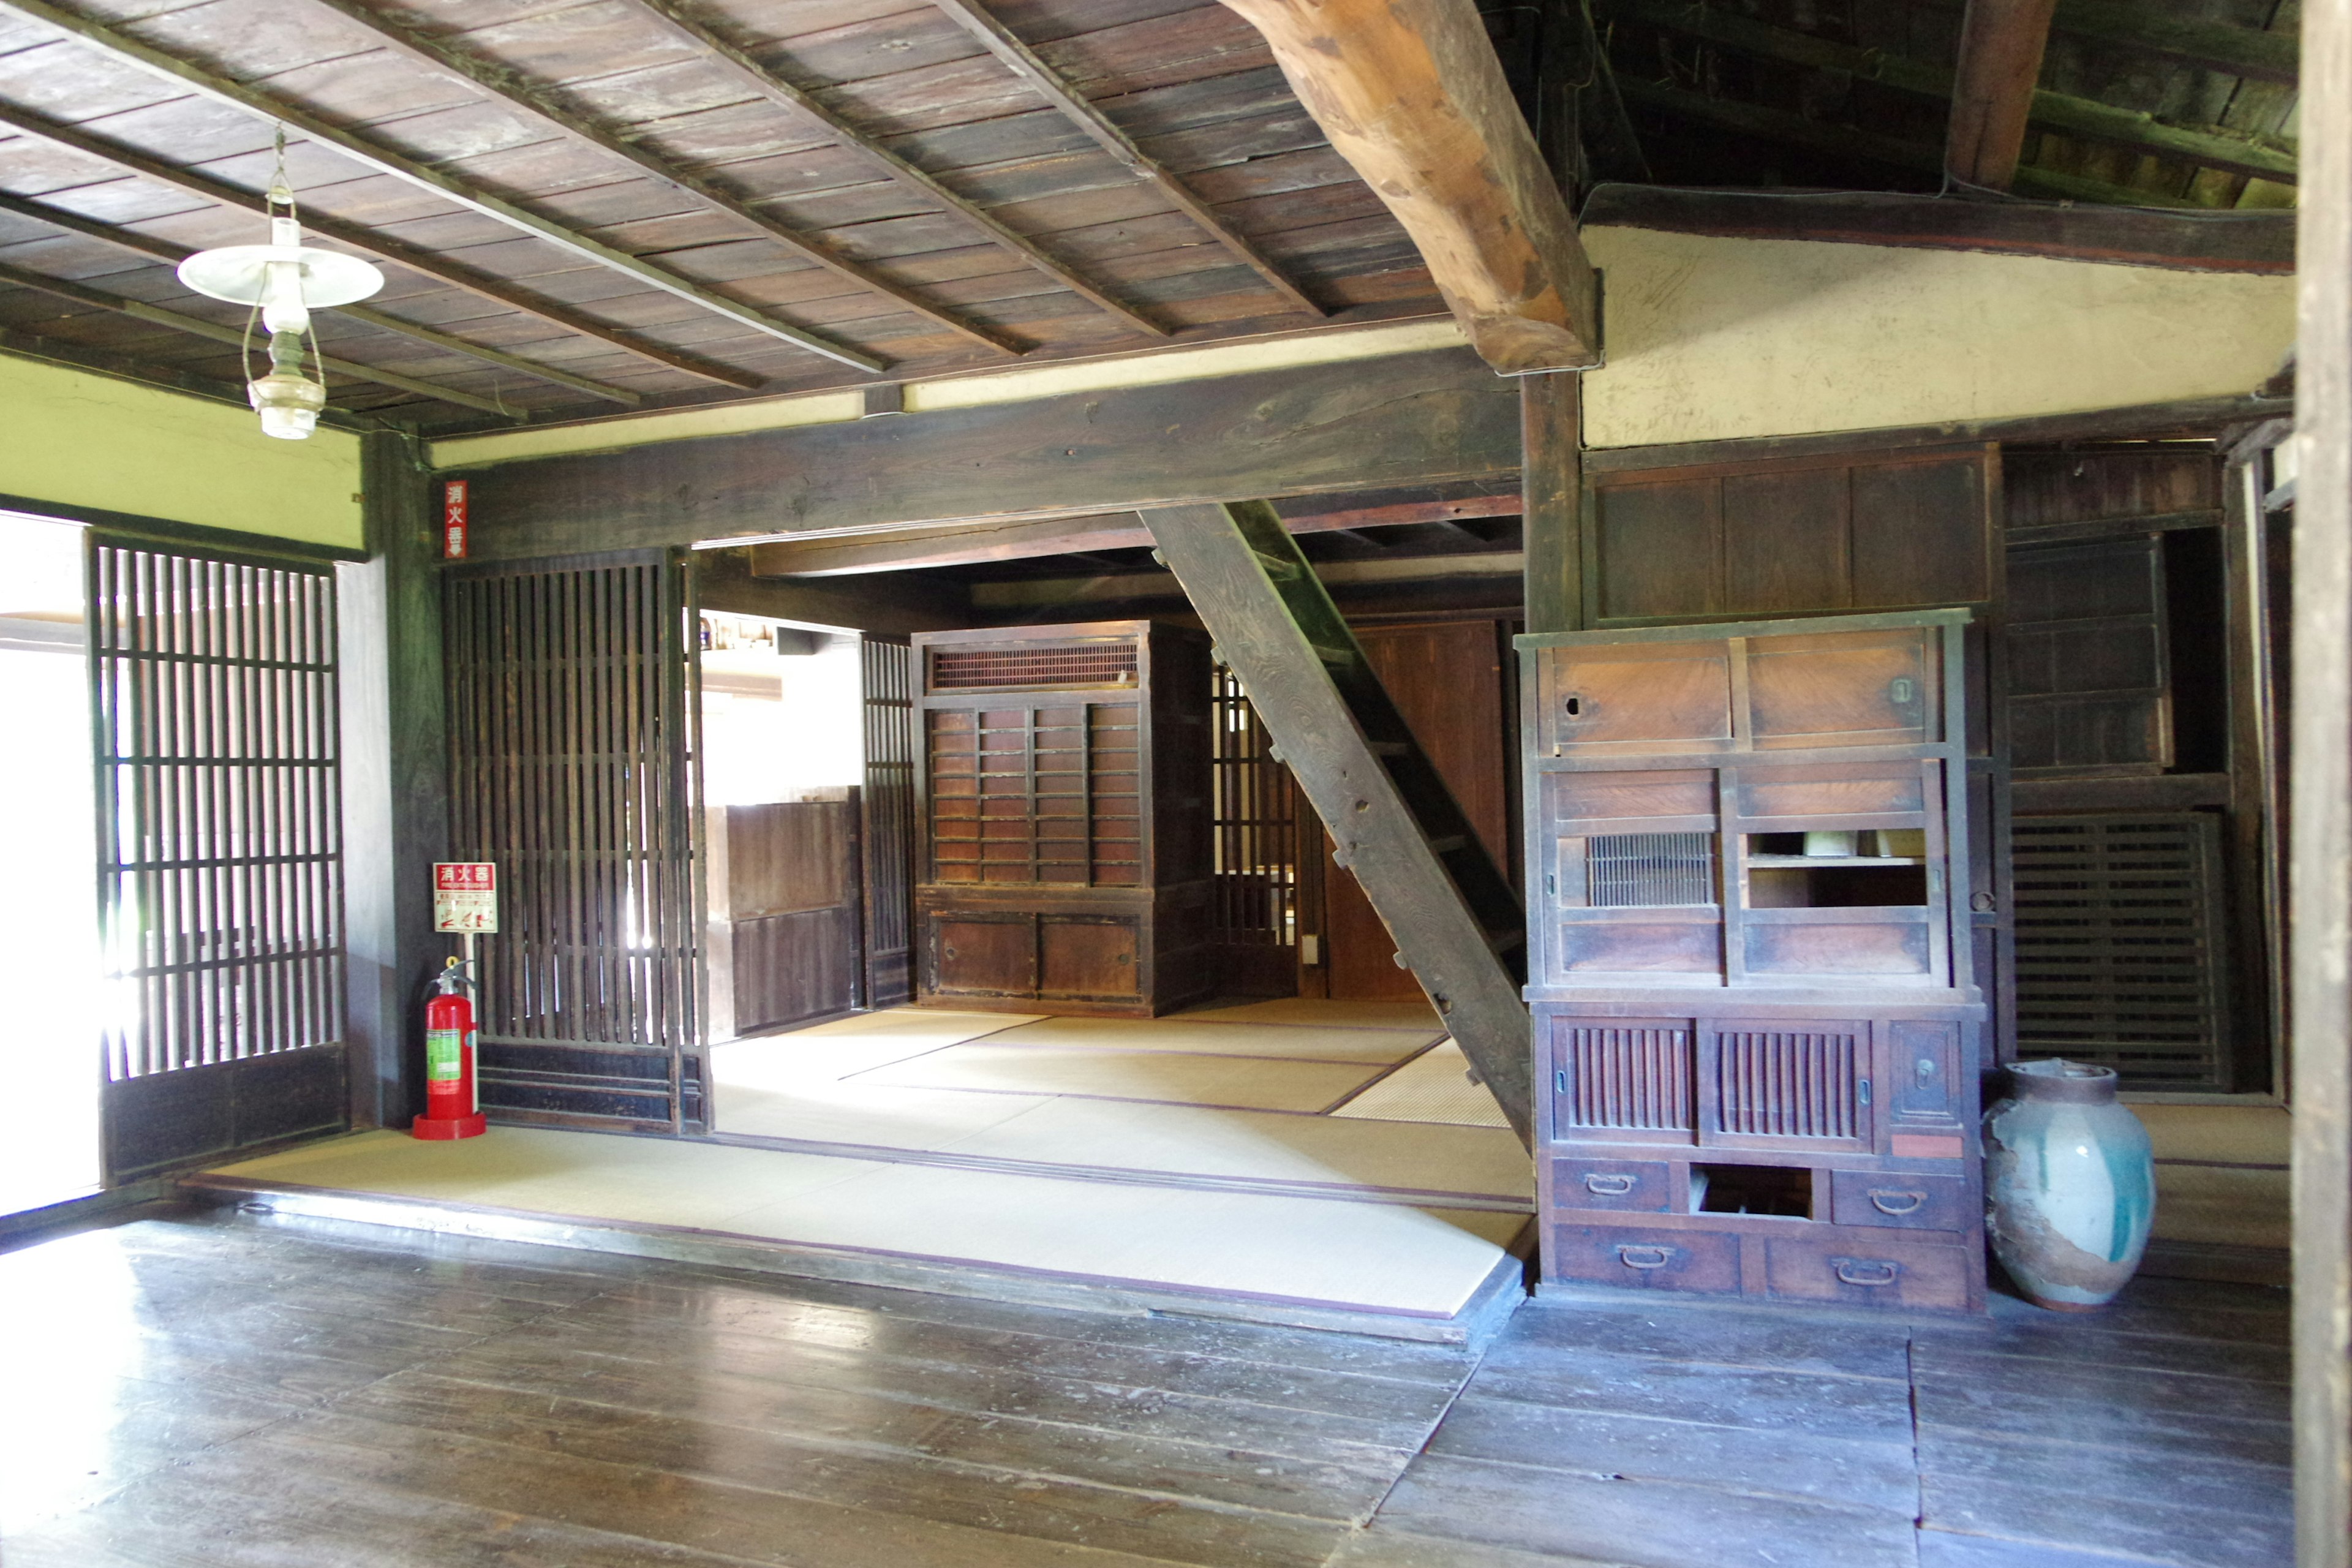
<point x="2070" y="1185"/>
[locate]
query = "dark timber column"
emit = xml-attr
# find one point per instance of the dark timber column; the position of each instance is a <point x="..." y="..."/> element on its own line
<point x="2320" y="829"/>
<point x="1449" y="908"/>
<point x="396" y="771"/>
<point x="1551" y="483"/>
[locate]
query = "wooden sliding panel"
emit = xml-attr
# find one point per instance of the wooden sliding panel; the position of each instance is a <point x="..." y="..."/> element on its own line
<point x="887" y="819"/>
<point x="572" y="767"/>
<point x="220" y="877"/>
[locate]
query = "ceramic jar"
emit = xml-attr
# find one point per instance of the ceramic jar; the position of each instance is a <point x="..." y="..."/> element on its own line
<point x="2070" y="1185"/>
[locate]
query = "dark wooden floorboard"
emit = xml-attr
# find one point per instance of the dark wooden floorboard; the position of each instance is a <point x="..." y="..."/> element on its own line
<point x="257" y="1392"/>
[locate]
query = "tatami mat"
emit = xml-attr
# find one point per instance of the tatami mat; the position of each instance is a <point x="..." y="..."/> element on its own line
<point x="1432" y="1088"/>
<point x="1247" y="1083"/>
<point x="1318" y="1014"/>
<point x="1385" y="1257"/>
<point x="1228" y="1039"/>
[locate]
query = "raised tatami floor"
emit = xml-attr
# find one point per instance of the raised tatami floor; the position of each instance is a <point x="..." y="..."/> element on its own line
<point x="1198" y="1158"/>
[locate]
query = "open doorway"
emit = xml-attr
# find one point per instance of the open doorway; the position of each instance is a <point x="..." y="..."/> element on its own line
<point x="49" y="967"/>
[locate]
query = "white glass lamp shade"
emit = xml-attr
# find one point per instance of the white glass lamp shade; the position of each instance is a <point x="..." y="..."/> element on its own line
<point x="288" y="281"/>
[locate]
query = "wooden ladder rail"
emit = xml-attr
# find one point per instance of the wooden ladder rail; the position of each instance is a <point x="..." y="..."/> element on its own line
<point x="1455" y="920"/>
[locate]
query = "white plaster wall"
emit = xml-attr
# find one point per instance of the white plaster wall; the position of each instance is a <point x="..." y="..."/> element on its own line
<point x="1711" y="338"/>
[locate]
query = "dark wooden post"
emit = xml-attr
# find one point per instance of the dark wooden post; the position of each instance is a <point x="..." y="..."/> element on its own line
<point x="2320" y="842"/>
<point x="395" y="777"/>
<point x="1552" y="481"/>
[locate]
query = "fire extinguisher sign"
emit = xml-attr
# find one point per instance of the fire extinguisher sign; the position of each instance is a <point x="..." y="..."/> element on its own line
<point x="464" y="896"/>
<point x="455" y="518"/>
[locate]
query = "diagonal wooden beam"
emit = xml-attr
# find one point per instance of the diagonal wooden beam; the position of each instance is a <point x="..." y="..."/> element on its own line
<point x="172" y="255"/>
<point x="156" y="316"/>
<point x="539" y="107"/>
<point x="1396" y="825"/>
<point x="759" y="79"/>
<point x="2002" y="43"/>
<point x="1025" y="63"/>
<point x="2055" y="110"/>
<point x="1411" y="93"/>
<point x="423" y="263"/>
<point x="156" y="62"/>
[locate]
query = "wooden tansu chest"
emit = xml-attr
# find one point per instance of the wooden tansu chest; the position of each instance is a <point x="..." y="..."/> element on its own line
<point x="1063" y="861"/>
<point x="1756" y="1026"/>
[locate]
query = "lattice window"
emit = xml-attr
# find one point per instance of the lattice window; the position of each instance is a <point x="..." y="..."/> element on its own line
<point x="1027" y="666"/>
<point x="2119" y="949"/>
<point x="1255" y="815"/>
<point x="1650" y="869"/>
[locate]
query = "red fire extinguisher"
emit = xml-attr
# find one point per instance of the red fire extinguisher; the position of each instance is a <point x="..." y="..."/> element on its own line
<point x="453" y="1102"/>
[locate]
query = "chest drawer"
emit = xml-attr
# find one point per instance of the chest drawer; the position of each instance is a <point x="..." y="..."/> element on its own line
<point x="1644" y="1186"/>
<point x="1696" y="1261"/>
<point x="1865" y="1271"/>
<point x="1899" y="1199"/>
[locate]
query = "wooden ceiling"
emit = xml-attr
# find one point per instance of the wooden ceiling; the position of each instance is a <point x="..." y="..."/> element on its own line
<point x="586" y="205"/>
<point x="2172" y="103"/>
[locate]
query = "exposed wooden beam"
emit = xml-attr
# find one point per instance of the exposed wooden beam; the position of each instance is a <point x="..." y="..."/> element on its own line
<point x="539" y="107"/>
<point x="966" y="544"/>
<point x="1126" y="586"/>
<point x="155" y="315"/>
<point x="1025" y="63"/>
<point x="146" y="372"/>
<point x="423" y="263"/>
<point x="384" y="160"/>
<point x="2319" y="831"/>
<point x="759" y="79"/>
<point x="1843" y="142"/>
<point x="1411" y="94"/>
<point x="2054" y="110"/>
<point x="2002" y="43"/>
<point x="1552" y="481"/>
<point x="1414" y="419"/>
<point x="2192" y="40"/>
<point x="2250" y="242"/>
<point x="166" y="251"/>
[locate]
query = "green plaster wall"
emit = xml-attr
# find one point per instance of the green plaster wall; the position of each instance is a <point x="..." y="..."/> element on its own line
<point x="79" y="439"/>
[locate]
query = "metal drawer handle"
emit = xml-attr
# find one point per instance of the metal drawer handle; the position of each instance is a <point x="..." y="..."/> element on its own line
<point x="1645" y="1256"/>
<point x="1864" y="1271"/>
<point x="1896" y="1203"/>
<point x="1608" y="1183"/>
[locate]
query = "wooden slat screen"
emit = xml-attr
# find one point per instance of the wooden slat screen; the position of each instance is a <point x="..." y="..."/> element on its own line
<point x="215" y="719"/>
<point x="573" y="767"/>
<point x="1254" y="804"/>
<point x="889" y="825"/>
<point x="2119" y="945"/>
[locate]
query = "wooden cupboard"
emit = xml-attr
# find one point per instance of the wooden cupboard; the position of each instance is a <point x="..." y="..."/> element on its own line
<point x="1756" y="1024"/>
<point x="1064" y="860"/>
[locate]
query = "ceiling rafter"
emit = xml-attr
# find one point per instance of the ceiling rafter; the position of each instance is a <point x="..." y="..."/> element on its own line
<point x="156" y="316"/>
<point x="172" y="255"/>
<point x="423" y="263"/>
<point x="1025" y="63"/>
<point x="157" y="62"/>
<point x="2192" y="40"/>
<point x="503" y="84"/>
<point x="2057" y="111"/>
<point x="776" y="91"/>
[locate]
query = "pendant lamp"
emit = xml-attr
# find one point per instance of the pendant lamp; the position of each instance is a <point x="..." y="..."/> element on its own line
<point x="283" y="281"/>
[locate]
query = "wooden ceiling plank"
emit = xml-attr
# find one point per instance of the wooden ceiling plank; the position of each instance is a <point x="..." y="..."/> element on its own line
<point x="499" y="83"/>
<point x="415" y="259"/>
<point x="172" y="255"/>
<point x="2058" y="111"/>
<point x="1023" y="62"/>
<point x="157" y="62"/>
<point x="2002" y="43"/>
<point x="758" y="78"/>
<point x="1411" y="94"/>
<point x="155" y="315"/>
<point x="2210" y="45"/>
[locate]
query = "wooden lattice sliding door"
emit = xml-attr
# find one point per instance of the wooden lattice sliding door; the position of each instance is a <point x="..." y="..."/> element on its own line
<point x="574" y="765"/>
<point x="220" y="890"/>
<point x="887" y="672"/>
<point x="1256" y="812"/>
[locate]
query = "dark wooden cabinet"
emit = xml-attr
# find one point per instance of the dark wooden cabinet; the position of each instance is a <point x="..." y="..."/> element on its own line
<point x="1064" y="862"/>
<point x="1757" y="1016"/>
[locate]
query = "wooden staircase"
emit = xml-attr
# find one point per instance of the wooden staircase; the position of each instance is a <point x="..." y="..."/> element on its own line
<point x="1458" y="924"/>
